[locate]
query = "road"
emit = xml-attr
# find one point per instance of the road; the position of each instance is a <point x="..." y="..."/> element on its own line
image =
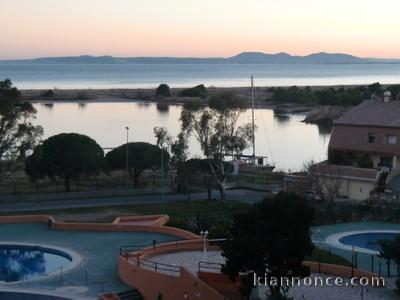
<point x="242" y="195"/>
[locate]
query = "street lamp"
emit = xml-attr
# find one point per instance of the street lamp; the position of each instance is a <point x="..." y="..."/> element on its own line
<point x="127" y="156"/>
<point x="204" y="235"/>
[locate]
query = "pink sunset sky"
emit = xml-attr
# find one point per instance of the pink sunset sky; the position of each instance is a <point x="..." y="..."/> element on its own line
<point x="206" y="28"/>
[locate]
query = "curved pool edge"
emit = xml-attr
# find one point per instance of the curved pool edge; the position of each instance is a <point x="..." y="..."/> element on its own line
<point x="36" y="293"/>
<point x="76" y="259"/>
<point x="334" y="240"/>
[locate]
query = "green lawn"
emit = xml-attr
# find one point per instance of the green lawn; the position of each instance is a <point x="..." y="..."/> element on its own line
<point x="324" y="256"/>
<point x="176" y="210"/>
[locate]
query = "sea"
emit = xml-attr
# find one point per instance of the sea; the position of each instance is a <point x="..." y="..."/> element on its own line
<point x="285" y="139"/>
<point x="66" y="76"/>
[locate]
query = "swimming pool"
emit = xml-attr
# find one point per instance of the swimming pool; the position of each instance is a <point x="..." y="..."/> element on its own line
<point x="28" y="262"/>
<point x="96" y="265"/>
<point x="342" y="237"/>
<point x="368" y="240"/>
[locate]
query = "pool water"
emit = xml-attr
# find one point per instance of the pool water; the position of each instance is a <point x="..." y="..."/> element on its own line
<point x="20" y="263"/>
<point x="368" y="240"/>
<point x="99" y="251"/>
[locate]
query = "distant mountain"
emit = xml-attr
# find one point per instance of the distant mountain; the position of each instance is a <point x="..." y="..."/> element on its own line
<point x="242" y="58"/>
<point x="336" y="58"/>
<point x="83" y="59"/>
<point x="259" y="57"/>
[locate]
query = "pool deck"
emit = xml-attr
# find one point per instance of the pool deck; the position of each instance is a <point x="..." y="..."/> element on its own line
<point x="190" y="260"/>
<point x="97" y="244"/>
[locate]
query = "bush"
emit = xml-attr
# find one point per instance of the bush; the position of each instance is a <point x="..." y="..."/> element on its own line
<point x="293" y="95"/>
<point x="49" y="94"/>
<point x="163" y="90"/>
<point x="83" y="95"/>
<point x="192" y="105"/>
<point x="397" y="287"/>
<point x="329" y="96"/>
<point x="226" y="101"/>
<point x="364" y="161"/>
<point x="341" y="158"/>
<point x="178" y="223"/>
<point x="197" y="91"/>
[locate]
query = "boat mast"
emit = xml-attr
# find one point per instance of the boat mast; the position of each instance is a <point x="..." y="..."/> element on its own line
<point x="252" y="118"/>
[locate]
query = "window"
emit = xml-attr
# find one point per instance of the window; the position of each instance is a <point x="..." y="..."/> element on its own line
<point x="391" y="139"/>
<point x="371" y="138"/>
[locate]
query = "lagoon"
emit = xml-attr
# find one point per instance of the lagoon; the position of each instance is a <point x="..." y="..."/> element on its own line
<point x="286" y="140"/>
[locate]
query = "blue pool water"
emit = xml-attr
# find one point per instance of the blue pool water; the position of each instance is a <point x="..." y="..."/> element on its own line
<point x="20" y="263"/>
<point x="367" y="240"/>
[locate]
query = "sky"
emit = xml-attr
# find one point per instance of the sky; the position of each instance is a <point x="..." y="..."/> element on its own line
<point x="201" y="28"/>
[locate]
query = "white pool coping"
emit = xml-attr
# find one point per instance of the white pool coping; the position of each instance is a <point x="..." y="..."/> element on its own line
<point x="77" y="259"/>
<point x="32" y="291"/>
<point x="334" y="240"/>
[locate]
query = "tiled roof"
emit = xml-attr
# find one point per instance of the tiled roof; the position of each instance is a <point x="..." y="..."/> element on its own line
<point x="373" y="113"/>
<point x="355" y="139"/>
<point x="346" y="171"/>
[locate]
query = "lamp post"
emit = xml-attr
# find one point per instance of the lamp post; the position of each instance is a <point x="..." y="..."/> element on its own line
<point x="127" y="156"/>
<point x="204" y="235"/>
<point x="162" y="178"/>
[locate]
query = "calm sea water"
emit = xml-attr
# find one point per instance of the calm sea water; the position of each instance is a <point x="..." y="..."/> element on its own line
<point x="48" y="76"/>
<point x="284" y="139"/>
<point x="287" y="141"/>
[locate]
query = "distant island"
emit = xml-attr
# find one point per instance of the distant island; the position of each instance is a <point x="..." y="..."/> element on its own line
<point x="242" y="58"/>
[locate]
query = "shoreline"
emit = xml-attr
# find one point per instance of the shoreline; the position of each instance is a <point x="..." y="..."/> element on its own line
<point x="313" y="113"/>
<point x="145" y="95"/>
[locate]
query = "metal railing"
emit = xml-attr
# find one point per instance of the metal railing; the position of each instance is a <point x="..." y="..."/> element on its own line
<point x="159" y="267"/>
<point x="130" y="250"/>
<point x="134" y="251"/>
<point x="206" y="265"/>
<point x="374" y="263"/>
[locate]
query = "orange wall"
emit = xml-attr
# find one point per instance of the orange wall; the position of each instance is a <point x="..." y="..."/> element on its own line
<point x="101" y="226"/>
<point x="150" y="284"/>
<point x="337" y="270"/>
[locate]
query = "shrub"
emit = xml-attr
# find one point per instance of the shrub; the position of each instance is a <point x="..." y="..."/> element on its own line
<point x="226" y="101"/>
<point x="364" y="161"/>
<point x="192" y="105"/>
<point x="49" y="94"/>
<point x="163" y="90"/>
<point x="197" y="91"/>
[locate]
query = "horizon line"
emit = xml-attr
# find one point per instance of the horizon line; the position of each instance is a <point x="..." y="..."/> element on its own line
<point x="200" y="57"/>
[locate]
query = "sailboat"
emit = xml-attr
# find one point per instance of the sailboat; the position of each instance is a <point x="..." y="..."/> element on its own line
<point x="253" y="162"/>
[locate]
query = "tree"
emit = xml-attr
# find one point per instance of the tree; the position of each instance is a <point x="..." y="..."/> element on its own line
<point x="163" y="90"/>
<point x="217" y="130"/>
<point x="194" y="172"/>
<point x="201" y="170"/>
<point x="49" y="94"/>
<point x="324" y="178"/>
<point x="66" y="155"/>
<point x="277" y="234"/>
<point x="142" y="156"/>
<point x="188" y="171"/>
<point x="179" y="151"/>
<point x="197" y="91"/>
<point x="18" y="135"/>
<point x="390" y="250"/>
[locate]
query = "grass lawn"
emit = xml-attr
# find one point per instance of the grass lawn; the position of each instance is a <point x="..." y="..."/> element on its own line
<point x="324" y="256"/>
<point x="176" y="210"/>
